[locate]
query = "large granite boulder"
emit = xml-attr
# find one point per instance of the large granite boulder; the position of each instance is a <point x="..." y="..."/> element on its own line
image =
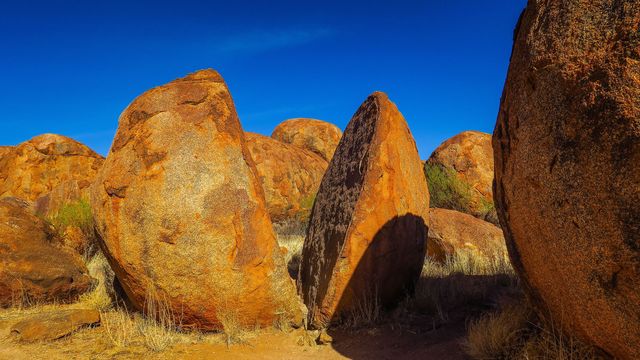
<point x="567" y="155"/>
<point x="182" y="213"/>
<point x="367" y="234"/>
<point x="316" y="136"/>
<point x="34" y="168"/>
<point x="290" y="176"/>
<point x="32" y="269"/>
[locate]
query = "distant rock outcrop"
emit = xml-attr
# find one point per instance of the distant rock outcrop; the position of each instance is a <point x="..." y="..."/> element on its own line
<point x="567" y="156"/>
<point x="182" y="213"/>
<point x="34" y="168"/>
<point x="289" y="175"/>
<point x="451" y="231"/>
<point x="317" y="136"/>
<point x="368" y="229"/>
<point x="469" y="157"/>
<point x="32" y="269"/>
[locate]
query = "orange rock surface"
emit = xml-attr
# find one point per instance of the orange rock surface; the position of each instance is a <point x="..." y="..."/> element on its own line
<point x="567" y="155"/>
<point x="182" y="213"/>
<point x="290" y="176"/>
<point x="368" y="228"/>
<point x="4" y="150"/>
<point x="451" y="231"/>
<point x="35" y="167"/>
<point x="32" y="269"/>
<point x="317" y="136"/>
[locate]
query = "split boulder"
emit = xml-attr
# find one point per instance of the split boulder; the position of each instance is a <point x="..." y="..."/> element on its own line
<point x="367" y="234"/>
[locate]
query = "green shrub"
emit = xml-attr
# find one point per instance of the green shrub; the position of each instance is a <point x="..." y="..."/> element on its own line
<point x="446" y="190"/>
<point x="77" y="213"/>
<point x="70" y="218"/>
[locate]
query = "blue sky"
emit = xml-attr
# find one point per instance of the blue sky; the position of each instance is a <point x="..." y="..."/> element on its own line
<point x="71" y="67"/>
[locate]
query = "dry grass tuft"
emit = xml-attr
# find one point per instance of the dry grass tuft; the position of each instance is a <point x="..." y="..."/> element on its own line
<point x="234" y="332"/>
<point x="98" y="298"/>
<point x="367" y="312"/>
<point x="120" y="327"/>
<point x="291" y="236"/>
<point x="159" y="325"/>
<point x="498" y="335"/>
<point x="515" y="332"/>
<point x="466" y="283"/>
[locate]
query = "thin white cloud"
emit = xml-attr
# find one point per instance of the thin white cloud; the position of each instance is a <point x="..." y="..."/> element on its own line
<point x="258" y="41"/>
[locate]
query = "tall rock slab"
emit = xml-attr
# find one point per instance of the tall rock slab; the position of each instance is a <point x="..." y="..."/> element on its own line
<point x="567" y="155"/>
<point x="290" y="176"/>
<point x="314" y="135"/>
<point x="35" y="167"/>
<point x="366" y="240"/>
<point x="182" y="213"/>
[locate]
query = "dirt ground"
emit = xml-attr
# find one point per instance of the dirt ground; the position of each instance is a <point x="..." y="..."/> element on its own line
<point x="384" y="342"/>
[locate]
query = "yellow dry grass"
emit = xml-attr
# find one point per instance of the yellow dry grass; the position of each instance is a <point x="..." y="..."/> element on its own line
<point x="515" y="332"/>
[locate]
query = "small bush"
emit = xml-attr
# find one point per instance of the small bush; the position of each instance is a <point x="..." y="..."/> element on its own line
<point x="78" y="215"/>
<point x="446" y="190"/>
<point x="306" y="205"/>
<point x="488" y="211"/>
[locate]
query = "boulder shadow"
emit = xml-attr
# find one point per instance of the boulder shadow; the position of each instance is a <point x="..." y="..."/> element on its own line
<point x="419" y="316"/>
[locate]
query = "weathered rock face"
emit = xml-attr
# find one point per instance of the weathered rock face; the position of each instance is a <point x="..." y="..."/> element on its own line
<point x="368" y="228"/>
<point x="32" y="270"/>
<point x="290" y="176"/>
<point x="182" y="213"/>
<point x="35" y="167"/>
<point x="567" y="149"/>
<point x="64" y="193"/>
<point x="451" y="231"/>
<point x="317" y="136"/>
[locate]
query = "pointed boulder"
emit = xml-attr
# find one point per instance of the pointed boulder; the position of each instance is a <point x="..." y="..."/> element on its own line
<point x="367" y="235"/>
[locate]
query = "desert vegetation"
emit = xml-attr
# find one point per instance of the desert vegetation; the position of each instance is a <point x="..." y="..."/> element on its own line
<point x="448" y="191"/>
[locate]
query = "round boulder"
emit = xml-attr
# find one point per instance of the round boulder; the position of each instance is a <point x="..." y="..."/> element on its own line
<point x="367" y="234"/>
<point x="469" y="157"/>
<point x="182" y="213"/>
<point x="451" y="231"/>
<point x="567" y="155"/>
<point x="290" y="176"/>
<point x="316" y="136"/>
<point x="34" y="168"/>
